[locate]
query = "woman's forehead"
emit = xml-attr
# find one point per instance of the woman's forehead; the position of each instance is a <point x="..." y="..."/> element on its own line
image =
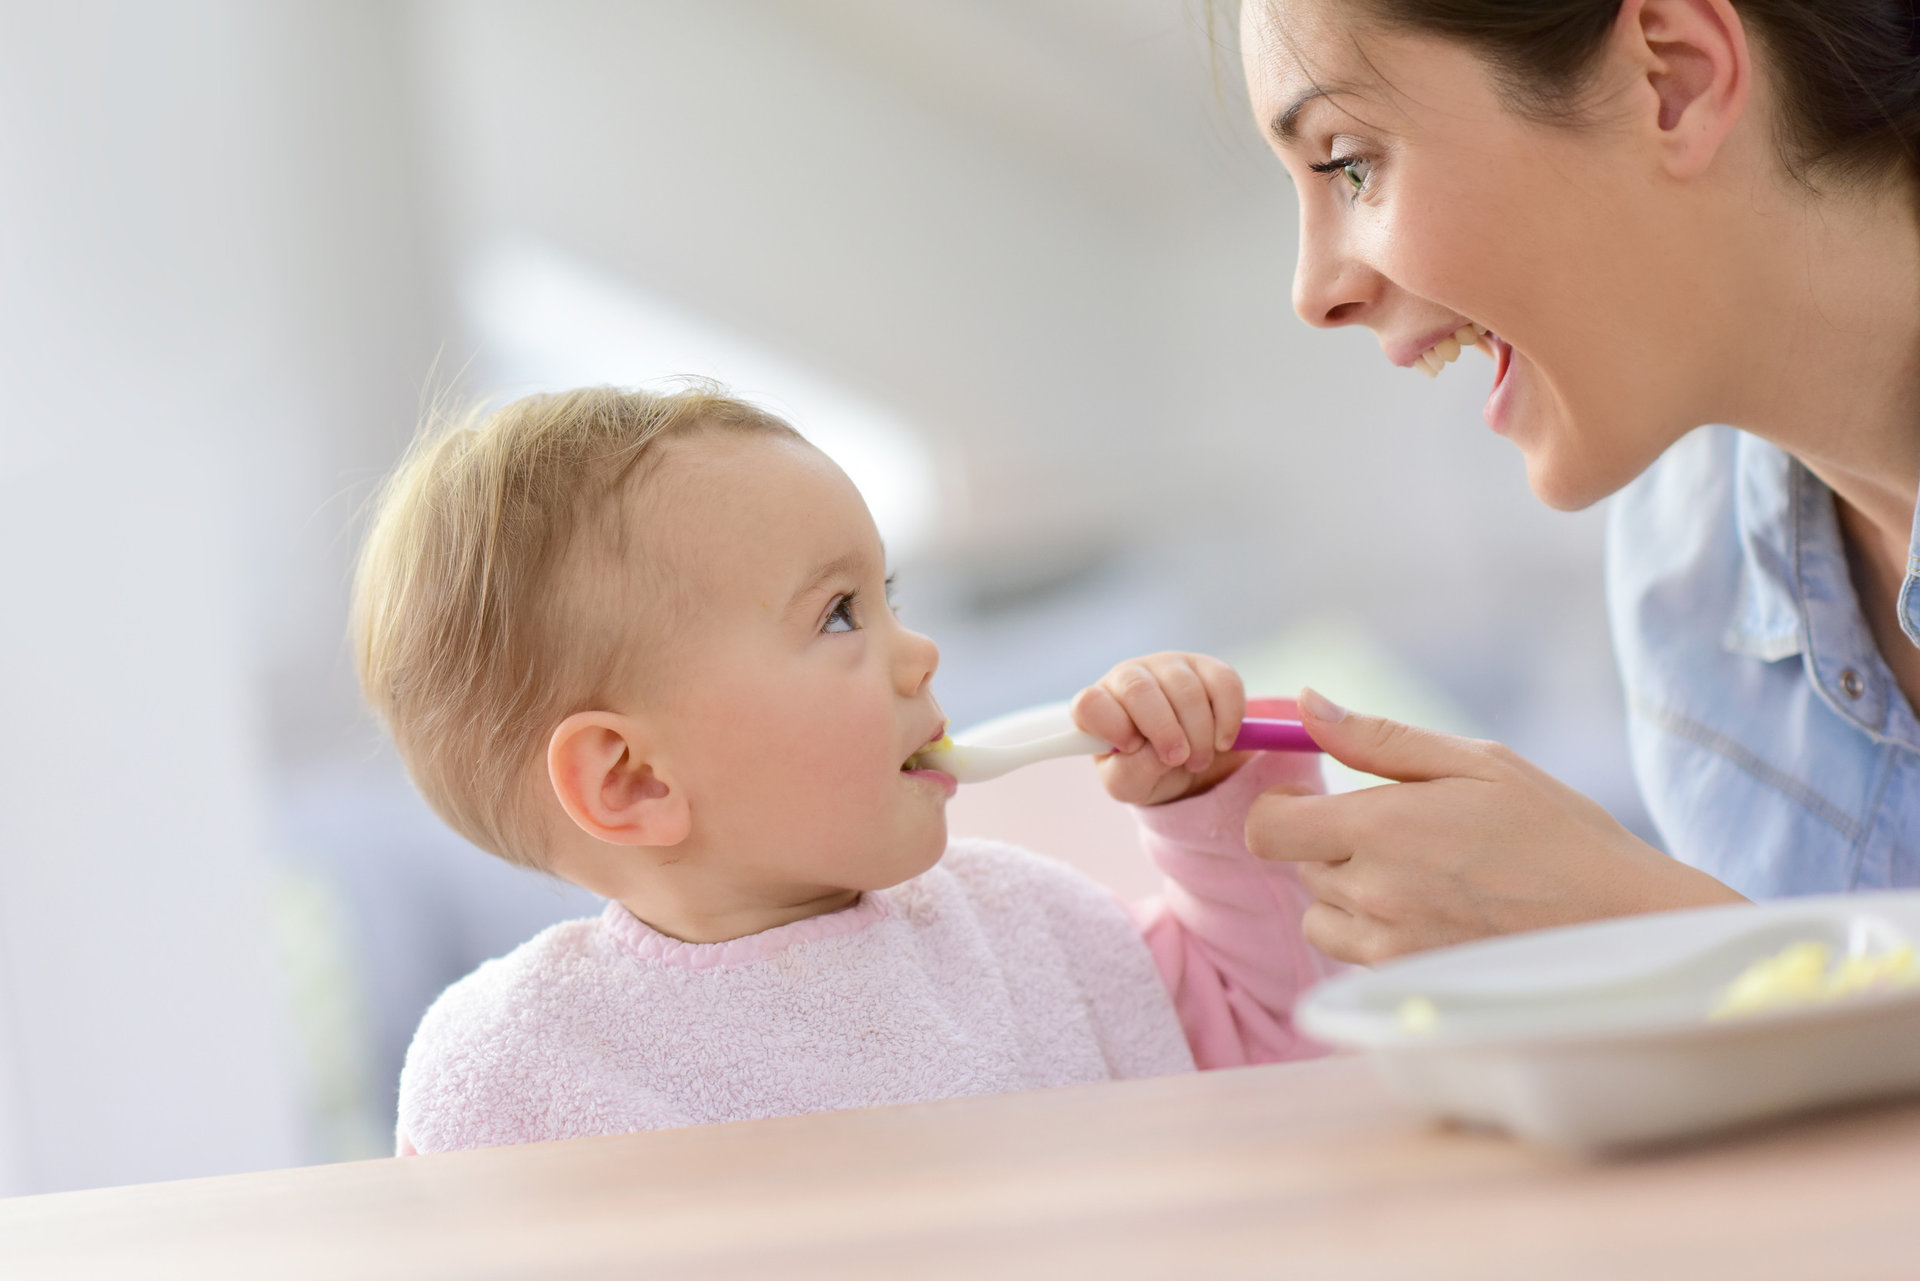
<point x="1306" y="57"/>
<point x="1297" y="52"/>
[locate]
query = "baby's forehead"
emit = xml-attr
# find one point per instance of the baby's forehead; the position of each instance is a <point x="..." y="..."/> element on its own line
<point x="729" y="513"/>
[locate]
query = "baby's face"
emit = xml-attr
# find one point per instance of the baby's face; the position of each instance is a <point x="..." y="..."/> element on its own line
<point x="794" y="696"/>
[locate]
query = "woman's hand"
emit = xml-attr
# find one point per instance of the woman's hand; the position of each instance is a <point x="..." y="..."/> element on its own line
<point x="1471" y="841"/>
<point x="1171" y="718"/>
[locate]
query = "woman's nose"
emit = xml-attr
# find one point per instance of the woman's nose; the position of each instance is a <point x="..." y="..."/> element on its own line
<point x="1330" y="287"/>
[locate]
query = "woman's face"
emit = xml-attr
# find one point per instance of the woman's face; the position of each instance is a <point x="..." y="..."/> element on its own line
<point x="1427" y="205"/>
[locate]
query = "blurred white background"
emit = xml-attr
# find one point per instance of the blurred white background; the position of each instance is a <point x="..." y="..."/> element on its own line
<point x="1021" y="264"/>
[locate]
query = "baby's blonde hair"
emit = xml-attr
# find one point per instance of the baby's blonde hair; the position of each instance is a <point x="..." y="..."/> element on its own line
<point x="474" y="631"/>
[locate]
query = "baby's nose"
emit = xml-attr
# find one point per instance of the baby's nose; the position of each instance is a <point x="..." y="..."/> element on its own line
<point x="919" y="660"/>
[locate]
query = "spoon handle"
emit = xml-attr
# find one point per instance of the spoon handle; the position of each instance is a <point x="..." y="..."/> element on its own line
<point x="1273" y="736"/>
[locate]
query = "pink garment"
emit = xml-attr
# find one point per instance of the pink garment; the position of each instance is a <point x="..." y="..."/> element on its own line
<point x="997" y="970"/>
<point x="1226" y="933"/>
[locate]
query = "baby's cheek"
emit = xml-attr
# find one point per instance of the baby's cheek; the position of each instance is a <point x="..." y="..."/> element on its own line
<point x="848" y="751"/>
<point x="819" y="756"/>
<point x="839" y="776"/>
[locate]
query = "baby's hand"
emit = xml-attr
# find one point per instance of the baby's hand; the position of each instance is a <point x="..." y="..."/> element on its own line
<point x="1171" y="719"/>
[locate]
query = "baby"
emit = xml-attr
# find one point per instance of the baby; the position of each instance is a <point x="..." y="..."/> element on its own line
<point x="643" y="642"/>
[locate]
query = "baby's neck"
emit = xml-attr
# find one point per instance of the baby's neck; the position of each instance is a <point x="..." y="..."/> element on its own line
<point x="682" y="894"/>
<point x="718" y="923"/>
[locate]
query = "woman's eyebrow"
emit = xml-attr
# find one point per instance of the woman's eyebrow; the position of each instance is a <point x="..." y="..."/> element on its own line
<point x="1285" y="125"/>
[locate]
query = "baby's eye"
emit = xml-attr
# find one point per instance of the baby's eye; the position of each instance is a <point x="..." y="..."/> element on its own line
<point x="840" y="617"/>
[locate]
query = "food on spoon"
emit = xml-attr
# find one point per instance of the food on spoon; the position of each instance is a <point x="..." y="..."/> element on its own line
<point x="1801" y="974"/>
<point x="918" y="759"/>
<point x="1419" y="1016"/>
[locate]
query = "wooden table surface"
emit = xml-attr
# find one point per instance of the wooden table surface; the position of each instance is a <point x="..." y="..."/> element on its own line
<point x="1300" y="1170"/>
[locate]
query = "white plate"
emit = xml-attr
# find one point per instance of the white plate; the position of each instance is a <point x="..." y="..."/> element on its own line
<point x="1596" y="1036"/>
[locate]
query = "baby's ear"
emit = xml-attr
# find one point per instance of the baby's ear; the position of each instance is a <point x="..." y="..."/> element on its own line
<point x="599" y="767"/>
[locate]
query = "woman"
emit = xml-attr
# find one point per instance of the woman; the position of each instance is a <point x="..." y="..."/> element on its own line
<point x="1653" y="214"/>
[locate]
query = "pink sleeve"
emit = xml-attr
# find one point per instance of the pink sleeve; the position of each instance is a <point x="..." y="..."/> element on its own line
<point x="1226" y="933"/>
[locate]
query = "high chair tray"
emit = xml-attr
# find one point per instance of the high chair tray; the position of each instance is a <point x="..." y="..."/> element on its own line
<point x="1599" y="1036"/>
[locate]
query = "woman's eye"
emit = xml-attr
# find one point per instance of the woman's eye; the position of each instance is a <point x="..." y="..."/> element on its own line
<point x="840" y="617"/>
<point x="1357" y="171"/>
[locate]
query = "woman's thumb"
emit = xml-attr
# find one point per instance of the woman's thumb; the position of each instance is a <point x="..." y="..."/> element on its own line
<point x="1384" y="748"/>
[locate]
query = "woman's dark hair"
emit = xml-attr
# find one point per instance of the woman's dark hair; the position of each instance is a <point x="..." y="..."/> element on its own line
<point x="1848" y="71"/>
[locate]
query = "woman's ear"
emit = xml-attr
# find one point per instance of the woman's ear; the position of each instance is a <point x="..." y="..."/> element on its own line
<point x="600" y="771"/>
<point x="1697" y="73"/>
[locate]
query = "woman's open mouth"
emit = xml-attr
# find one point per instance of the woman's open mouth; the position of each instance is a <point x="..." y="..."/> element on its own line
<point x="1443" y="351"/>
<point x="1495" y="411"/>
<point x="1446" y="349"/>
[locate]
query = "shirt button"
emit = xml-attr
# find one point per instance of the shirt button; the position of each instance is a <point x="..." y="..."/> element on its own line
<point x="1850" y="682"/>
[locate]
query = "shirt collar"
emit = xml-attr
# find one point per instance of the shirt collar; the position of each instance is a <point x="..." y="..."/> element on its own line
<point x="1910" y="589"/>
<point x="1768" y="623"/>
<point x="1796" y="590"/>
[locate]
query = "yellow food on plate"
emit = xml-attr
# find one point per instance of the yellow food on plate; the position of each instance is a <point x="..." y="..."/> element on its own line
<point x="1803" y="974"/>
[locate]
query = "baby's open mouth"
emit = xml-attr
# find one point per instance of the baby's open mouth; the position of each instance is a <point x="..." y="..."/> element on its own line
<point x="1443" y="353"/>
<point x="940" y="739"/>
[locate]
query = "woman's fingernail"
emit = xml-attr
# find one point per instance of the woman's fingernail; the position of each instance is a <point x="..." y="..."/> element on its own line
<point x="1321" y="708"/>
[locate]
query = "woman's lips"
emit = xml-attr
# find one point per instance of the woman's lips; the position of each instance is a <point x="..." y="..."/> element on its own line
<point x="1433" y="352"/>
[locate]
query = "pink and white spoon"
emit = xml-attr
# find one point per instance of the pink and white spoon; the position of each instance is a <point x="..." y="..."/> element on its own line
<point x="1005" y="744"/>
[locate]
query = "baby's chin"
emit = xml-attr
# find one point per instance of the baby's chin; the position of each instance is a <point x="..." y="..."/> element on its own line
<point x="929" y="850"/>
<point x="911" y="856"/>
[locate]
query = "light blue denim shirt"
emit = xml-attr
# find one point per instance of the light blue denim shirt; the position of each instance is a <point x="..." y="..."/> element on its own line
<point x="1771" y="744"/>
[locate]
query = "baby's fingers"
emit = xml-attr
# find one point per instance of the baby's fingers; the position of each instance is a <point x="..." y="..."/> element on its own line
<point x="1099" y="713"/>
<point x="1228" y="695"/>
<point x="1138" y="778"/>
<point x="1139" y="692"/>
<point x="1186" y="692"/>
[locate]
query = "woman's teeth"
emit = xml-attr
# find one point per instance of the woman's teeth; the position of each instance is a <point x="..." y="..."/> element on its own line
<point x="1443" y="353"/>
